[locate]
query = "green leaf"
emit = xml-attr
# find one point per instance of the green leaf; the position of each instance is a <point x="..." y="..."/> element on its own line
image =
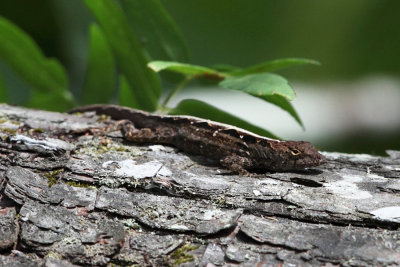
<point x="3" y="90"/>
<point x="266" y="86"/>
<point x="126" y="98"/>
<point x="100" y="75"/>
<point x="46" y="76"/>
<point x="156" y="30"/>
<point x="274" y="65"/>
<point x="57" y="101"/>
<point x="260" y="85"/>
<point x="18" y="91"/>
<point x="132" y="62"/>
<point x="225" y="68"/>
<point x="185" y="69"/>
<point x="21" y="53"/>
<point x="285" y="105"/>
<point x="203" y="110"/>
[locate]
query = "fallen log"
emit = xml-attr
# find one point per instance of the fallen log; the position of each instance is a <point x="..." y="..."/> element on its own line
<point x="72" y="194"/>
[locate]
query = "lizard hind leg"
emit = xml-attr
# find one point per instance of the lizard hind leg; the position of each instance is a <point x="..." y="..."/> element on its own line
<point x="236" y="164"/>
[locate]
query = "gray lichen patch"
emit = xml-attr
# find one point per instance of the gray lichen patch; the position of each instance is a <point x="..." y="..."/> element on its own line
<point x="96" y="146"/>
<point x="24" y="185"/>
<point x="346" y="193"/>
<point x="152" y="249"/>
<point x="168" y="213"/>
<point x="117" y="169"/>
<point x="154" y="244"/>
<point x="37" y="161"/>
<point x="325" y="241"/>
<point x="130" y="168"/>
<point x="70" y="233"/>
<point x="19" y="258"/>
<point x="214" y="255"/>
<point x="8" y="127"/>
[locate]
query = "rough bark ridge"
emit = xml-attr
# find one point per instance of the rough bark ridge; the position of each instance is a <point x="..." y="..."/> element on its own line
<point x="72" y="194"/>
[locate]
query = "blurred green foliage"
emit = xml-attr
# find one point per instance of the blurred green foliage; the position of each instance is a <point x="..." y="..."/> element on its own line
<point x="127" y="34"/>
<point x="100" y="71"/>
<point x="351" y="38"/>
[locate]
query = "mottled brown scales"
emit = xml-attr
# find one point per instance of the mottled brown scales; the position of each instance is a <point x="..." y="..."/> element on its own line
<point x="236" y="149"/>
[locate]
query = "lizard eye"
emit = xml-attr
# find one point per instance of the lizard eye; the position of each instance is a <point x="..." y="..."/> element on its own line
<point x="295" y="151"/>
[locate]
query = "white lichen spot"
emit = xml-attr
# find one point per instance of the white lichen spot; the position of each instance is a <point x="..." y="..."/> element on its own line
<point x="179" y="227"/>
<point x="256" y="193"/>
<point x="347" y="188"/>
<point x="387" y="213"/>
<point x="164" y="171"/>
<point x="49" y="144"/>
<point x="211" y="214"/>
<point x="129" y="168"/>
<point x="352" y="178"/>
<point x="392" y="168"/>
<point x="157" y="148"/>
<point x="190" y="174"/>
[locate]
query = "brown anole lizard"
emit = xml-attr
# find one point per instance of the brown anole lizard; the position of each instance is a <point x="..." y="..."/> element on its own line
<point x="236" y="149"/>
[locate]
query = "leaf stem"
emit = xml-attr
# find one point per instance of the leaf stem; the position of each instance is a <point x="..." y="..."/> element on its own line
<point x="180" y="86"/>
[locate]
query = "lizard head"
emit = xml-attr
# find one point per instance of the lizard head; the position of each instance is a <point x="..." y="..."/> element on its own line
<point x="296" y="155"/>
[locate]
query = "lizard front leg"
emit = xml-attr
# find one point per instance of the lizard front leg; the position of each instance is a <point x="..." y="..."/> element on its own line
<point x="237" y="164"/>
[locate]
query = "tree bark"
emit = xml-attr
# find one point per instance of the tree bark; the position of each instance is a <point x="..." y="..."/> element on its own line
<point x="73" y="192"/>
